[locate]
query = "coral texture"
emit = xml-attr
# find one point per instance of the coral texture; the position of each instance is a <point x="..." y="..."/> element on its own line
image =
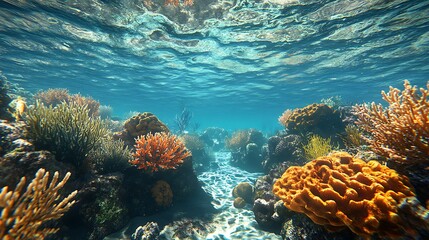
<point x="24" y="213"/>
<point x="401" y="131"/>
<point x="319" y="119"/>
<point x="159" y="151"/>
<point x="338" y="191"/>
<point x="162" y="193"/>
<point x="139" y="125"/>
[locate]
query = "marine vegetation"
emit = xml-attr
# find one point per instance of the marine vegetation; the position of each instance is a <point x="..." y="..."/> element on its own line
<point x="25" y="214"/>
<point x="353" y="136"/>
<point x="317" y="147"/>
<point x="111" y="156"/>
<point x="401" y="131"/>
<point x="56" y="96"/>
<point x="339" y="191"/>
<point x="66" y="130"/>
<point x="183" y="120"/>
<point x="159" y="151"/>
<point x="238" y="140"/>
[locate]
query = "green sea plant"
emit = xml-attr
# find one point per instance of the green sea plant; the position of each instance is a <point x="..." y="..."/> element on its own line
<point x="353" y="137"/>
<point x="109" y="209"/>
<point x="317" y="147"/>
<point x="111" y="156"/>
<point x="66" y="130"/>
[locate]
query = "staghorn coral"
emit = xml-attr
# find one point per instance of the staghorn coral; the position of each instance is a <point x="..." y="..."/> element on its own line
<point x="162" y="193"/>
<point x="67" y="130"/>
<point x="401" y="131"/>
<point x="159" y="151"/>
<point x="317" y="147"/>
<point x="24" y="214"/>
<point x="339" y="191"/>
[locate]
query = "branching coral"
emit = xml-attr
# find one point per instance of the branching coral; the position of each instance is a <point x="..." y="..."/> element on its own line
<point x="24" y="215"/>
<point x="400" y="132"/>
<point x="341" y="191"/>
<point x="159" y="151"/>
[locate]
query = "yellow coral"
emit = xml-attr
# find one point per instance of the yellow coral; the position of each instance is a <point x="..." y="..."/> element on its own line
<point x="339" y="191"/>
<point x="24" y="214"/>
<point x="402" y="130"/>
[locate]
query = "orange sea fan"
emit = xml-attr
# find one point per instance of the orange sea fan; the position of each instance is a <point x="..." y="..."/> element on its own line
<point x="159" y="151"/>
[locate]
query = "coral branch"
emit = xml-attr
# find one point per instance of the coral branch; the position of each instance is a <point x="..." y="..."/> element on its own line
<point x="401" y="131"/>
<point x="159" y="151"/>
<point x="24" y="215"/>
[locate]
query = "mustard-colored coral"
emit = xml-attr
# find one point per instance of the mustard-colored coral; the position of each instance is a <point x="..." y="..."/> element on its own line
<point x="340" y="191"/>
<point x="401" y="131"/>
<point x="162" y="193"/>
<point x="316" y="118"/>
<point x="24" y="214"/>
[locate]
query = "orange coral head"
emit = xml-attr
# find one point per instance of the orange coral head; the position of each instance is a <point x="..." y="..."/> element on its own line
<point x="159" y="151"/>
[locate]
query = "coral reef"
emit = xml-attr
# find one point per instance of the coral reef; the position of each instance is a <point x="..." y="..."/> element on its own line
<point x="202" y="158"/>
<point x="140" y="125"/>
<point x="247" y="149"/>
<point x="54" y="97"/>
<point x="150" y="231"/>
<point x="5" y="110"/>
<point x="282" y="148"/>
<point x="111" y="156"/>
<point x="401" y="131"/>
<point x="238" y="140"/>
<point x="24" y="214"/>
<point x="318" y="119"/>
<point x="159" y="151"/>
<point x="162" y="193"/>
<point x="245" y="191"/>
<point x="67" y="130"/>
<point x="340" y="191"/>
<point x="214" y="137"/>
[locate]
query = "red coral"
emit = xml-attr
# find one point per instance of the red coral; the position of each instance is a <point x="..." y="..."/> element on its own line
<point x="159" y="151"/>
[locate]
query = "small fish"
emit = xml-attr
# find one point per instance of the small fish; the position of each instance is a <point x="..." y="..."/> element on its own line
<point x="20" y="107"/>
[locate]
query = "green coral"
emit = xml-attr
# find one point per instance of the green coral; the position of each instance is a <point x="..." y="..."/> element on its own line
<point x="66" y="130"/>
<point x="317" y="147"/>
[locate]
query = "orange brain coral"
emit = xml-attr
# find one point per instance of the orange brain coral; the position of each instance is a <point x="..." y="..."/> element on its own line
<point x="339" y="190"/>
<point x="159" y="151"/>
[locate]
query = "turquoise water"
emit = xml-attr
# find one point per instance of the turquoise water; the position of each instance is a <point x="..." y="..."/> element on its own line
<point x="234" y="64"/>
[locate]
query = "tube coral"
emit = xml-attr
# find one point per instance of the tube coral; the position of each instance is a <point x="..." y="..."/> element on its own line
<point x="159" y="151"/>
<point x="401" y="131"/>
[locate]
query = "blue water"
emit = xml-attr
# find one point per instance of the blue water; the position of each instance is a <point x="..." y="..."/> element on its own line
<point x="234" y="64"/>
